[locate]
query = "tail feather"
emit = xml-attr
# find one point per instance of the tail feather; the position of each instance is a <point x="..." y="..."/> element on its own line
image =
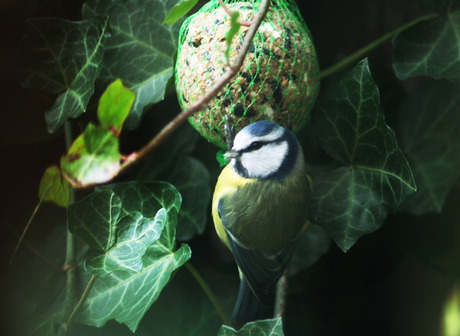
<point x="247" y="307"/>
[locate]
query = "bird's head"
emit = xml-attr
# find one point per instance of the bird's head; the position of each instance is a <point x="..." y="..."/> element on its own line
<point x="264" y="150"/>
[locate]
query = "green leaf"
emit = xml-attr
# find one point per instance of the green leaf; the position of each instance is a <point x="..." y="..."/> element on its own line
<point x="54" y="188"/>
<point x="140" y="50"/>
<point x="116" y="243"/>
<point x="65" y="58"/>
<point x="128" y="293"/>
<point x="114" y="106"/>
<point x="273" y="327"/>
<point x="94" y="219"/>
<point x="135" y="234"/>
<point x="431" y="48"/>
<point x="311" y="246"/>
<point x="430" y="137"/>
<point x="234" y="29"/>
<point x="354" y="200"/>
<point x="93" y="158"/>
<point x="179" y="10"/>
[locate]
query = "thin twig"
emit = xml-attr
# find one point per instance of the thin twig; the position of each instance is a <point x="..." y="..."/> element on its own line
<point x="280" y="297"/>
<point x="230" y="12"/>
<point x="374" y="44"/>
<point x="36" y="252"/>
<point x="66" y="325"/>
<point x="26" y="228"/>
<point x="209" y="293"/>
<point x="199" y="104"/>
<point x="71" y="251"/>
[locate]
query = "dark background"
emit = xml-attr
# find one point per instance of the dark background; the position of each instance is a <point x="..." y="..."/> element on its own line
<point x="387" y="284"/>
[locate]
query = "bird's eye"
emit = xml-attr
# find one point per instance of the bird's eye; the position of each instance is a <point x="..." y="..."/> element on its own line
<point x="255" y="146"/>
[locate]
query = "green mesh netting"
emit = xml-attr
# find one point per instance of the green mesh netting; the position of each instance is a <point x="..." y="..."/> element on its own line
<point x="279" y="77"/>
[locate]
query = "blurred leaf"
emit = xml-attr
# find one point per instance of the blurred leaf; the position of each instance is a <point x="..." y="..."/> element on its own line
<point x="431" y="48"/>
<point x="179" y="10"/>
<point x="93" y="158"/>
<point x="273" y="327"/>
<point x="429" y="130"/>
<point x="234" y="29"/>
<point x="65" y="58"/>
<point x="140" y="50"/>
<point x="354" y="200"/>
<point x="311" y="246"/>
<point x="114" y="106"/>
<point x="125" y="295"/>
<point x="54" y="188"/>
<point x="191" y="178"/>
<point x="440" y="5"/>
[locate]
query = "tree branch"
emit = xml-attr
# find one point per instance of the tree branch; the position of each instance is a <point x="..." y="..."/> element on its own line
<point x="199" y="104"/>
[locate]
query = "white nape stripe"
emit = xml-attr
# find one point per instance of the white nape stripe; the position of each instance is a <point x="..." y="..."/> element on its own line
<point x="244" y="139"/>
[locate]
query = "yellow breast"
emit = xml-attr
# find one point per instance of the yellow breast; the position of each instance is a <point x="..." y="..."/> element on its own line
<point x="228" y="182"/>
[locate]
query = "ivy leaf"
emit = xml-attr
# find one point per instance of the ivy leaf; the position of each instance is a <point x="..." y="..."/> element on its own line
<point x="114" y="106"/>
<point x="129" y="293"/>
<point x="354" y="200"/>
<point x="430" y="138"/>
<point x="93" y="158"/>
<point x="179" y="10"/>
<point x="64" y="58"/>
<point x="431" y="48"/>
<point x="94" y="219"/>
<point x="54" y="188"/>
<point x="140" y="50"/>
<point x="116" y="243"/>
<point x="273" y="327"/>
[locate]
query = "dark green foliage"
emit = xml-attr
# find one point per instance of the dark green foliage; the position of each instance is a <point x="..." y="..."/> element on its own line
<point x="383" y="152"/>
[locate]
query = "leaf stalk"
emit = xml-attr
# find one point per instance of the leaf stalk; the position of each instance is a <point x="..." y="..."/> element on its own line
<point x="360" y="53"/>
<point x="209" y="293"/>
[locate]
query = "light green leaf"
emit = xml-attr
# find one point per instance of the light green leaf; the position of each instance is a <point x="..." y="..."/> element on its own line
<point x="114" y="106"/>
<point x="54" y="188"/>
<point x="93" y="158"/>
<point x="429" y="127"/>
<point x="140" y="50"/>
<point x="273" y="327"/>
<point x="134" y="234"/>
<point x="130" y="293"/>
<point x="430" y="48"/>
<point x="353" y="200"/>
<point x="179" y="10"/>
<point x="234" y="29"/>
<point x="65" y="58"/>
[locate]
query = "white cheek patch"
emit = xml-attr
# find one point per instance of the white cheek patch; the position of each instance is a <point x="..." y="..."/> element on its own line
<point x="244" y="139"/>
<point x="266" y="160"/>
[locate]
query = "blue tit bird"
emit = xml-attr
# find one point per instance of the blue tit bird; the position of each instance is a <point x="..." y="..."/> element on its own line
<point x="259" y="210"/>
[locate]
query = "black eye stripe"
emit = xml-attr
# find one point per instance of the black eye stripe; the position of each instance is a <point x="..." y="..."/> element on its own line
<point x="259" y="144"/>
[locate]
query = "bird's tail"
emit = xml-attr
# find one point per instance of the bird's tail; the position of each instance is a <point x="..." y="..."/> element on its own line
<point x="247" y="307"/>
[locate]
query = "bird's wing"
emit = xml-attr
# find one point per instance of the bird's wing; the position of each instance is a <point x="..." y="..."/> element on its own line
<point x="262" y="269"/>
